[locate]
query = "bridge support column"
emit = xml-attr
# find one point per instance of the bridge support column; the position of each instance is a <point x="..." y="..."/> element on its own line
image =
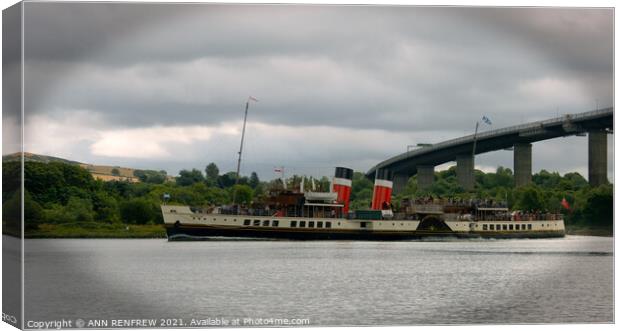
<point x="523" y="164"/>
<point x="597" y="157"/>
<point x="399" y="183"/>
<point x="465" y="171"/>
<point x="426" y="176"/>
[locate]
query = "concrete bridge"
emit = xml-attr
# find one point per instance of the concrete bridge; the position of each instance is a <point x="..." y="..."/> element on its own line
<point x="597" y="124"/>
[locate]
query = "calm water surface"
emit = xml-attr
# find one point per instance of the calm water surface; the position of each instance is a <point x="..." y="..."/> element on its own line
<point x="327" y="282"/>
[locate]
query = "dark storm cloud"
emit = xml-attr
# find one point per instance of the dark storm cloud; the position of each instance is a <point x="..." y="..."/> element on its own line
<point x="115" y="77"/>
<point x="401" y="64"/>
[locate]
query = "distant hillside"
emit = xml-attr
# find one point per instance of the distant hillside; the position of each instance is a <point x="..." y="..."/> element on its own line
<point x="36" y="158"/>
<point x="103" y="172"/>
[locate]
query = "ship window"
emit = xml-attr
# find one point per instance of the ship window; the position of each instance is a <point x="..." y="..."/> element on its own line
<point x="275" y="223"/>
<point x="247" y="222"/>
<point x="529" y="226"/>
<point x="224" y="220"/>
<point x="319" y="224"/>
<point x="492" y="227"/>
<point x="328" y="224"/>
<point x="293" y="224"/>
<point x="503" y="226"/>
<point x="517" y="226"/>
<point x="362" y="224"/>
<point x="173" y="211"/>
<point x="302" y="224"/>
<point x="266" y="223"/>
<point x="311" y="224"/>
<point x="510" y="227"/>
<point x="338" y="223"/>
<point x="484" y="227"/>
<point x="256" y="222"/>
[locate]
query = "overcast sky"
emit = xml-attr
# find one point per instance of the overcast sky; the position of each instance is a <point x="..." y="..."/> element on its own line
<point x="163" y="86"/>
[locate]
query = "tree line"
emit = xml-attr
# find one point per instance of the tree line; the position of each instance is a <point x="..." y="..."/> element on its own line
<point x="61" y="193"/>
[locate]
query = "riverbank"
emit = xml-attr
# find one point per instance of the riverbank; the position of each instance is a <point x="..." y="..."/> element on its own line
<point x="157" y="231"/>
<point x="580" y="230"/>
<point x="97" y="231"/>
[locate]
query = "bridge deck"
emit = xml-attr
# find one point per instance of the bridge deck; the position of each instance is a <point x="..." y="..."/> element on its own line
<point x="488" y="141"/>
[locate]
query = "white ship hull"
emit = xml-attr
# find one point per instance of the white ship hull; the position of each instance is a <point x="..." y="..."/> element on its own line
<point x="183" y="224"/>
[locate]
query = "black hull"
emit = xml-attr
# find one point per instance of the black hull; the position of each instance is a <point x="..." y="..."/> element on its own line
<point x="188" y="232"/>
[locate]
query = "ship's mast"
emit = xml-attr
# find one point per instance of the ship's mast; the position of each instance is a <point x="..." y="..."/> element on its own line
<point x="245" y="119"/>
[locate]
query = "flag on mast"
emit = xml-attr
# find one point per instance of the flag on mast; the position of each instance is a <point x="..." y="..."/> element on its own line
<point x="486" y="120"/>
<point x="251" y="98"/>
<point x="565" y="204"/>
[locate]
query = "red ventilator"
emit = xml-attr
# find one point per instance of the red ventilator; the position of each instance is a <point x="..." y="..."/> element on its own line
<point x="382" y="194"/>
<point x="342" y="185"/>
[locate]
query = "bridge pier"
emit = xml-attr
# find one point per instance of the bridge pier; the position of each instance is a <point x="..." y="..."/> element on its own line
<point x="597" y="157"/>
<point x="399" y="183"/>
<point x="523" y="164"/>
<point x="426" y="176"/>
<point x="465" y="171"/>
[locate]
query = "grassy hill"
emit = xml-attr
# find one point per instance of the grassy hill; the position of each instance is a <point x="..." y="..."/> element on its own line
<point x="36" y="158"/>
<point x="103" y="172"/>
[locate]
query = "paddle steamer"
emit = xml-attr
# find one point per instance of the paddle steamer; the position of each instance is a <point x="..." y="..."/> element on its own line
<point x="295" y="214"/>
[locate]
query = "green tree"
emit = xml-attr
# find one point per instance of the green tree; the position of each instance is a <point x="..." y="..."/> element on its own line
<point x="212" y="172"/>
<point x="79" y="210"/>
<point x="151" y="176"/>
<point x="138" y="211"/>
<point x="227" y="180"/>
<point x="105" y="207"/>
<point x="116" y="172"/>
<point x="243" y="194"/>
<point x="599" y="206"/>
<point x="187" y="178"/>
<point x="254" y="181"/>
<point x="529" y="198"/>
<point x="33" y="213"/>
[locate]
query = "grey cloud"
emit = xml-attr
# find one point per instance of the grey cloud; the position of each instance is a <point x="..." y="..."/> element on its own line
<point x="393" y="68"/>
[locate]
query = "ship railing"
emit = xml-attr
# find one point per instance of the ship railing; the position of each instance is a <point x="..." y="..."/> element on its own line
<point x="427" y="209"/>
<point x="520" y="217"/>
<point x="537" y="217"/>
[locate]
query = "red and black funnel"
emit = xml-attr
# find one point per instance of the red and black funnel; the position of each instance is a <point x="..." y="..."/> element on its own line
<point x="382" y="193"/>
<point x="342" y="185"/>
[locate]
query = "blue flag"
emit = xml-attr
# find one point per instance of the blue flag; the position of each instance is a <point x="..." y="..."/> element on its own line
<point x="486" y="120"/>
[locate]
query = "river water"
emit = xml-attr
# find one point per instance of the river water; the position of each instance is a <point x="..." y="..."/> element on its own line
<point x="323" y="282"/>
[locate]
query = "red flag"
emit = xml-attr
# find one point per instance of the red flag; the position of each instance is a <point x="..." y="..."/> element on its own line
<point x="565" y="204"/>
